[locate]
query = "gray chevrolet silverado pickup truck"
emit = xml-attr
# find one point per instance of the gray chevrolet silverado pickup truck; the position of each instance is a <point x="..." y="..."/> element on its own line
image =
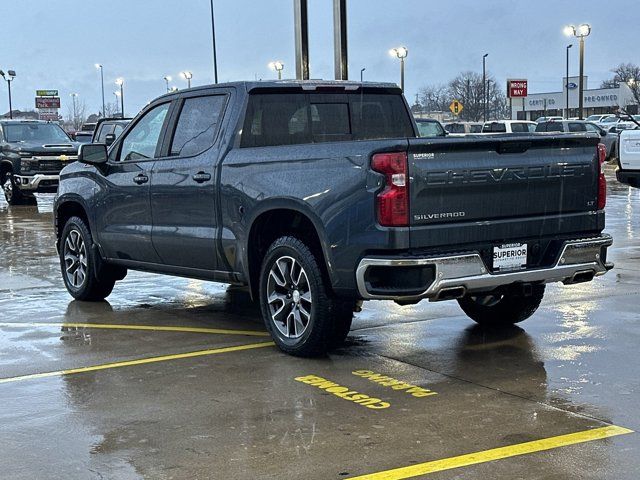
<point x="319" y="195"/>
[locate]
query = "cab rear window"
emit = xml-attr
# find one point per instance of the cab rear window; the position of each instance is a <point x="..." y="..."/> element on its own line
<point x="297" y="118"/>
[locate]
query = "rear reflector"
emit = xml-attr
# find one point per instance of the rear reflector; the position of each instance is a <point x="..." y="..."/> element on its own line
<point x="392" y="204"/>
<point x="602" y="181"/>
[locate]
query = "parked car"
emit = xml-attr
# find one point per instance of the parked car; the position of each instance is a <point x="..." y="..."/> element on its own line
<point x="108" y="129"/>
<point x="32" y="153"/>
<point x="319" y="195"/>
<point x="628" y="171"/>
<point x="429" y="127"/>
<point x="82" y="137"/>
<point x="598" y="117"/>
<point x="88" y="127"/>
<point x="607" y="138"/>
<point x="547" y="119"/>
<point x="509" y="126"/>
<point x="463" y="128"/>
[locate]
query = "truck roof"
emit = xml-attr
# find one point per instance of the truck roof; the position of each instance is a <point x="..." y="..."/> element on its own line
<point x="294" y="84"/>
<point x="22" y="120"/>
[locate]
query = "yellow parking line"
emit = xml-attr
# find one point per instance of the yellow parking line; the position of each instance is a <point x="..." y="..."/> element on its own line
<point x="155" y="328"/>
<point x="496" y="454"/>
<point x="141" y="361"/>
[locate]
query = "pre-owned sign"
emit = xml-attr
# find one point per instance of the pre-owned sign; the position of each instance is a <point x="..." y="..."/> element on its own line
<point x="516" y="88"/>
<point x="47" y="102"/>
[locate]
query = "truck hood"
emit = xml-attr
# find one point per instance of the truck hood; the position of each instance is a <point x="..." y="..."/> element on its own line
<point x="40" y="148"/>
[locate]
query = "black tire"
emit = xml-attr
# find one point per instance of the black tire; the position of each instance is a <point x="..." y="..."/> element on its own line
<point x="342" y="319"/>
<point x="82" y="281"/>
<point x="502" y="311"/>
<point x="314" y="298"/>
<point x="12" y="193"/>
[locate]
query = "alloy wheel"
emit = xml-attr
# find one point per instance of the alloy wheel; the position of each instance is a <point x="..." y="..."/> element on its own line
<point x="289" y="297"/>
<point x="75" y="258"/>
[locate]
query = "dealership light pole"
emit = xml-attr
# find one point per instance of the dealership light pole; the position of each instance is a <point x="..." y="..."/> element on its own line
<point x="99" y="65"/>
<point x="484" y="87"/>
<point x="580" y="32"/>
<point x="120" y="81"/>
<point x="277" y="66"/>
<point x="10" y="75"/>
<point x="75" y="116"/>
<point x="213" y="38"/>
<point x="566" y="84"/>
<point x="187" y="76"/>
<point x="361" y="73"/>
<point x="401" y="53"/>
<point x="167" y="79"/>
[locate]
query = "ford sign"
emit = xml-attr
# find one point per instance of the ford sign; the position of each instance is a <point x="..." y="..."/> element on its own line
<point x="572" y="85"/>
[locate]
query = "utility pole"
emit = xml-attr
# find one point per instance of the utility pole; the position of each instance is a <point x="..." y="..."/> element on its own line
<point x="484" y="86"/>
<point x="213" y="38"/>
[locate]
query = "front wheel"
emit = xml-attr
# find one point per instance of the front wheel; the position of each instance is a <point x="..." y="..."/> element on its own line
<point x="12" y="193"/>
<point x="502" y="310"/>
<point x="78" y="263"/>
<point x="299" y="310"/>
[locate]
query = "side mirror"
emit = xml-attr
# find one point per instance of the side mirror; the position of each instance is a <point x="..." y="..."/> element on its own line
<point x="109" y="139"/>
<point x="603" y="133"/>
<point x="93" y="153"/>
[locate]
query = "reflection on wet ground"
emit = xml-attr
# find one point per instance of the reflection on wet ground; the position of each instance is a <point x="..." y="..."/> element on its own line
<point x="241" y="414"/>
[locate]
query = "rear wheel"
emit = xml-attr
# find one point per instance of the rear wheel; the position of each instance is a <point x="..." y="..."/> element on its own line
<point x="301" y="313"/>
<point x="79" y="262"/>
<point x="502" y="310"/>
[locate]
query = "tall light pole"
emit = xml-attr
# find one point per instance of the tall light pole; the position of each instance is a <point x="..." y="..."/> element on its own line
<point x="484" y="87"/>
<point x="213" y="38"/>
<point x="120" y="81"/>
<point x="187" y="76"/>
<point x="277" y="66"/>
<point x="10" y="75"/>
<point x="75" y="116"/>
<point x="580" y="32"/>
<point x="566" y="84"/>
<point x="401" y="53"/>
<point x="99" y="65"/>
<point x="167" y="79"/>
<point x="361" y="73"/>
<point x="117" y="95"/>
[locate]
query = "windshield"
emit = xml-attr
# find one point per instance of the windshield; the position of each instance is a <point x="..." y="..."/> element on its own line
<point x="35" y="132"/>
<point x="609" y="120"/>
<point x="430" y="129"/>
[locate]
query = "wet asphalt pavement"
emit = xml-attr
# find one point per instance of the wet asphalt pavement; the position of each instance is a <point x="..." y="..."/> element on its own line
<point x="234" y="409"/>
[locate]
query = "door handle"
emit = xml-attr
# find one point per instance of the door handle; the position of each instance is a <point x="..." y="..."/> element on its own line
<point x="201" y="177"/>
<point x="141" y="178"/>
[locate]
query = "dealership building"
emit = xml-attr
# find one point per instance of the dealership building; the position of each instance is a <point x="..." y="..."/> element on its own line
<point x="598" y="100"/>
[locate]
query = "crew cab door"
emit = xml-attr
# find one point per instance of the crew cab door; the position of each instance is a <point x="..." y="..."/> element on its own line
<point x="184" y="184"/>
<point x="123" y="209"/>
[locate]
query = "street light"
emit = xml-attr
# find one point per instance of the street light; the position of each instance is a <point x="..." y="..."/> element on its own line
<point x="75" y="117"/>
<point x="484" y="87"/>
<point x="580" y="32"/>
<point x="278" y="66"/>
<point x="167" y="79"/>
<point x="361" y="72"/>
<point x="120" y="81"/>
<point x="401" y="53"/>
<point x="187" y="76"/>
<point x="99" y="65"/>
<point x="10" y="75"/>
<point x="566" y="84"/>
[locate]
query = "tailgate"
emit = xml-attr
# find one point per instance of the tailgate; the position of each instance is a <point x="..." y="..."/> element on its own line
<point x="504" y="187"/>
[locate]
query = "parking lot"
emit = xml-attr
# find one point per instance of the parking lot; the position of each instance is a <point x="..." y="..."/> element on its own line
<point x="176" y="378"/>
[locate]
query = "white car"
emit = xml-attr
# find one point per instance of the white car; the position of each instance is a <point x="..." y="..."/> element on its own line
<point x="629" y="156"/>
<point x="598" y="117"/>
<point x="509" y="126"/>
<point x="548" y="119"/>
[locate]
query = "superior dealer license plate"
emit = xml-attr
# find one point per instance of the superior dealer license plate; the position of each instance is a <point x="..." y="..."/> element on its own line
<point x="512" y="256"/>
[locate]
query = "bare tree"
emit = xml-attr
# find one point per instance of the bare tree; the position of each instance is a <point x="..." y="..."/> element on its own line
<point x="434" y="98"/>
<point x="76" y="115"/>
<point x="111" y="109"/>
<point x="628" y="73"/>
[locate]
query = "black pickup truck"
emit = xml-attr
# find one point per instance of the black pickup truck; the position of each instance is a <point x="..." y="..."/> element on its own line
<point x="319" y="195"/>
<point x="32" y="153"/>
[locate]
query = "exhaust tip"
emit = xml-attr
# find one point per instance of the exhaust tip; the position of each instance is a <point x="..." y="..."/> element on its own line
<point x="451" y="293"/>
<point x="580" y="277"/>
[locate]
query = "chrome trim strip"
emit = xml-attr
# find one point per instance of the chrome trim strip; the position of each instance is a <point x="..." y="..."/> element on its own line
<point x="34" y="180"/>
<point x="469" y="271"/>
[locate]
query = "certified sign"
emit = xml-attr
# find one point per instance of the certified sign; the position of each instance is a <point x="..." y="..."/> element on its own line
<point x="46" y="93"/>
<point x="512" y="256"/>
<point x="517" y="88"/>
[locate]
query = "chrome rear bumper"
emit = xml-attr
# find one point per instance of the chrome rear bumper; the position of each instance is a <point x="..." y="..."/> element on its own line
<point x="579" y="260"/>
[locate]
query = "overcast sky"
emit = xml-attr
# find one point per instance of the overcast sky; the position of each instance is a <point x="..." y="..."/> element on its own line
<point x="53" y="44"/>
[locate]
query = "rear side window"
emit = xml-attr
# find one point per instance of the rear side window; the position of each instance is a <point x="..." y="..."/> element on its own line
<point x="550" y="127"/>
<point x="475" y="128"/>
<point x="197" y="125"/>
<point x="453" y="128"/>
<point x="519" y="127"/>
<point x="288" y="119"/>
<point x="577" y="127"/>
<point x="494" y="127"/>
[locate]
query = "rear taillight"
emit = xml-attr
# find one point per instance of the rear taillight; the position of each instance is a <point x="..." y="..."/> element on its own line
<point x="392" y="203"/>
<point x="602" y="181"/>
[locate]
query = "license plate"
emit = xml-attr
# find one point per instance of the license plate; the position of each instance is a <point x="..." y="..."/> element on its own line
<point x="512" y="256"/>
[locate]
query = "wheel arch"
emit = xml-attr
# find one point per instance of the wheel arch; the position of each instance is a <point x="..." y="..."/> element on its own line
<point x="68" y="207"/>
